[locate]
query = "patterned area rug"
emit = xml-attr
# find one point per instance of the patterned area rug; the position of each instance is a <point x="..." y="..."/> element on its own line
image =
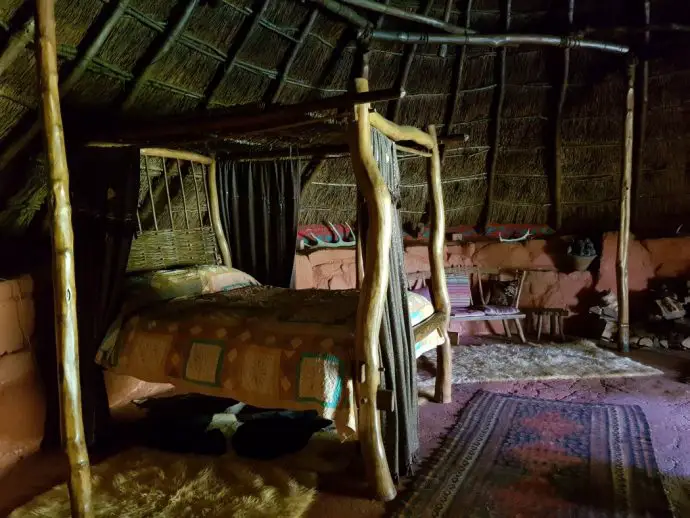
<point x="514" y="362"/>
<point x="509" y="456"/>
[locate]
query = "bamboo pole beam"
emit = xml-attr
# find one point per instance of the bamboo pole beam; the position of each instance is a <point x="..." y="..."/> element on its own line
<point x="499" y="40"/>
<point x="492" y="159"/>
<point x="557" y="133"/>
<point x="372" y="299"/>
<point x="16" y="44"/>
<point x="457" y="78"/>
<point x="624" y="232"/>
<point x="238" y="45"/>
<point x="406" y="15"/>
<point x="274" y="93"/>
<point x="65" y="295"/>
<point x="176" y="153"/>
<point x="163" y="46"/>
<point x="439" y="287"/>
<point x="642" y="103"/>
<point x="413" y="151"/>
<point x="394" y="109"/>
<point x="399" y="133"/>
<point x="80" y="66"/>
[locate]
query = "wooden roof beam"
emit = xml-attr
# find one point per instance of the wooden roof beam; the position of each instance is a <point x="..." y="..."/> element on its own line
<point x="159" y="49"/>
<point x="274" y="93"/>
<point x="210" y="126"/>
<point x="458" y="72"/>
<point x="117" y="10"/>
<point x="394" y="110"/>
<point x="237" y="45"/>
<point x="16" y="43"/>
<point x="342" y="11"/>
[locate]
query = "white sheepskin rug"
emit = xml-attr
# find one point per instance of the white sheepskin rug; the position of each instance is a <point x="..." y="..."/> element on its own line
<point x="547" y="361"/>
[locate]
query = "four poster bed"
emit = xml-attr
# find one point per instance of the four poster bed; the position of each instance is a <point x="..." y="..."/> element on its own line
<point x="208" y="328"/>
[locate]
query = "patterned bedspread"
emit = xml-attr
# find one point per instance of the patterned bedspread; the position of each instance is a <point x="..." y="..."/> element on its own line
<point x="268" y="347"/>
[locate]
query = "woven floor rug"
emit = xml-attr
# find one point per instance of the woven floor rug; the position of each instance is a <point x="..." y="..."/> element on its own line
<point x="516" y="362"/>
<point x="510" y="457"/>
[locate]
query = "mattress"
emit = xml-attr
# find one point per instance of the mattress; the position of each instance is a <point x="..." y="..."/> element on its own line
<point x="268" y="347"/>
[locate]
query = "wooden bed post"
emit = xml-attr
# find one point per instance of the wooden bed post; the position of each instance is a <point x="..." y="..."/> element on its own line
<point x="624" y="233"/>
<point x="63" y="269"/>
<point x="439" y="289"/>
<point x="372" y="300"/>
<point x="214" y="206"/>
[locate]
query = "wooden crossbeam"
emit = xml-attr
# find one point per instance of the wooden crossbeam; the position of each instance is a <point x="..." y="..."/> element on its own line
<point x="92" y="48"/>
<point x="159" y="48"/>
<point x="274" y="93"/>
<point x="237" y="45"/>
<point x="492" y="159"/>
<point x="406" y="66"/>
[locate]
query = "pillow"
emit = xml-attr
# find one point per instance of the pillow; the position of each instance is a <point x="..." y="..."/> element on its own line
<point x="503" y="293"/>
<point x="188" y="282"/>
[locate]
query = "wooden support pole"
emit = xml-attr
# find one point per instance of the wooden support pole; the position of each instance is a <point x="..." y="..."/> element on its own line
<point x="173" y="29"/>
<point x="492" y="159"/>
<point x="624" y="233"/>
<point x="65" y="295"/>
<point x="372" y="299"/>
<point x="437" y="255"/>
<point x="214" y="206"/>
<point x="641" y="105"/>
<point x="238" y="44"/>
<point x="400" y="133"/>
<point x="557" y="131"/>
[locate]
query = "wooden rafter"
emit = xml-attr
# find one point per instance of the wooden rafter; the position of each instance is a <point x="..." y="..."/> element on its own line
<point x="641" y="105"/>
<point x="159" y="48"/>
<point x="274" y="93"/>
<point x="92" y="48"/>
<point x="557" y="130"/>
<point x="405" y="67"/>
<point x="500" y="93"/>
<point x="231" y="59"/>
<point x="453" y="103"/>
<point x="16" y="44"/>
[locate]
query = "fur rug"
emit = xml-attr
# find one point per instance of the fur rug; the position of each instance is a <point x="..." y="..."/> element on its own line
<point x="513" y="362"/>
<point x="142" y="483"/>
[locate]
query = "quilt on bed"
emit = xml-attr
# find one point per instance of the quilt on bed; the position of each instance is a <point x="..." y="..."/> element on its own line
<point x="269" y="347"/>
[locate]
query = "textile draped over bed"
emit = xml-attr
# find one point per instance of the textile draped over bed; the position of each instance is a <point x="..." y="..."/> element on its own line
<point x="396" y="341"/>
<point x="259" y="206"/>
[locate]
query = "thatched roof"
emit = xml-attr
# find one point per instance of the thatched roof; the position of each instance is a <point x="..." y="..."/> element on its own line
<point x="169" y="56"/>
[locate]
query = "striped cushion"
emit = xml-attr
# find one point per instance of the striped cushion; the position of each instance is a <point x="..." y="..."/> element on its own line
<point x="459" y="290"/>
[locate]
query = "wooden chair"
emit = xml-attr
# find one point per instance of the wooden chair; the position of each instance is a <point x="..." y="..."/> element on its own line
<point x="463" y="309"/>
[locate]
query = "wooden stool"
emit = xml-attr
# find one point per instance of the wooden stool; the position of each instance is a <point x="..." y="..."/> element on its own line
<point x="554" y="317"/>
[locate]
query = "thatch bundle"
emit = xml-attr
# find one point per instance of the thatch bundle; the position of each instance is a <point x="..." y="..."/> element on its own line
<point x="242" y="52"/>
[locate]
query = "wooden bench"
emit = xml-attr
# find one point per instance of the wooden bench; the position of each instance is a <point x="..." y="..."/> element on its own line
<point x="460" y="283"/>
<point x="554" y="317"/>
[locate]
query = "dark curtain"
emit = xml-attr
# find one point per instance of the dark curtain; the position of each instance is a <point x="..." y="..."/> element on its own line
<point x="259" y="206"/>
<point x="104" y="188"/>
<point x="396" y="340"/>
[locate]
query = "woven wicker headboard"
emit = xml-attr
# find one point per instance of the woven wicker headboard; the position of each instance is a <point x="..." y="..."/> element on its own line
<point x="177" y="214"/>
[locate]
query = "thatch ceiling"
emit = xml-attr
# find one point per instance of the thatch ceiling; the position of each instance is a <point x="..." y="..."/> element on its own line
<point x="156" y="61"/>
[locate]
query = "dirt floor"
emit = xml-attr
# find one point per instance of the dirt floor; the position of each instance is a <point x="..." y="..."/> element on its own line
<point x="664" y="399"/>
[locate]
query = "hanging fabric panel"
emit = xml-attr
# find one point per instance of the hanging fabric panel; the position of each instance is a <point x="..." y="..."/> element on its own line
<point x="259" y="206"/>
<point x="396" y="341"/>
